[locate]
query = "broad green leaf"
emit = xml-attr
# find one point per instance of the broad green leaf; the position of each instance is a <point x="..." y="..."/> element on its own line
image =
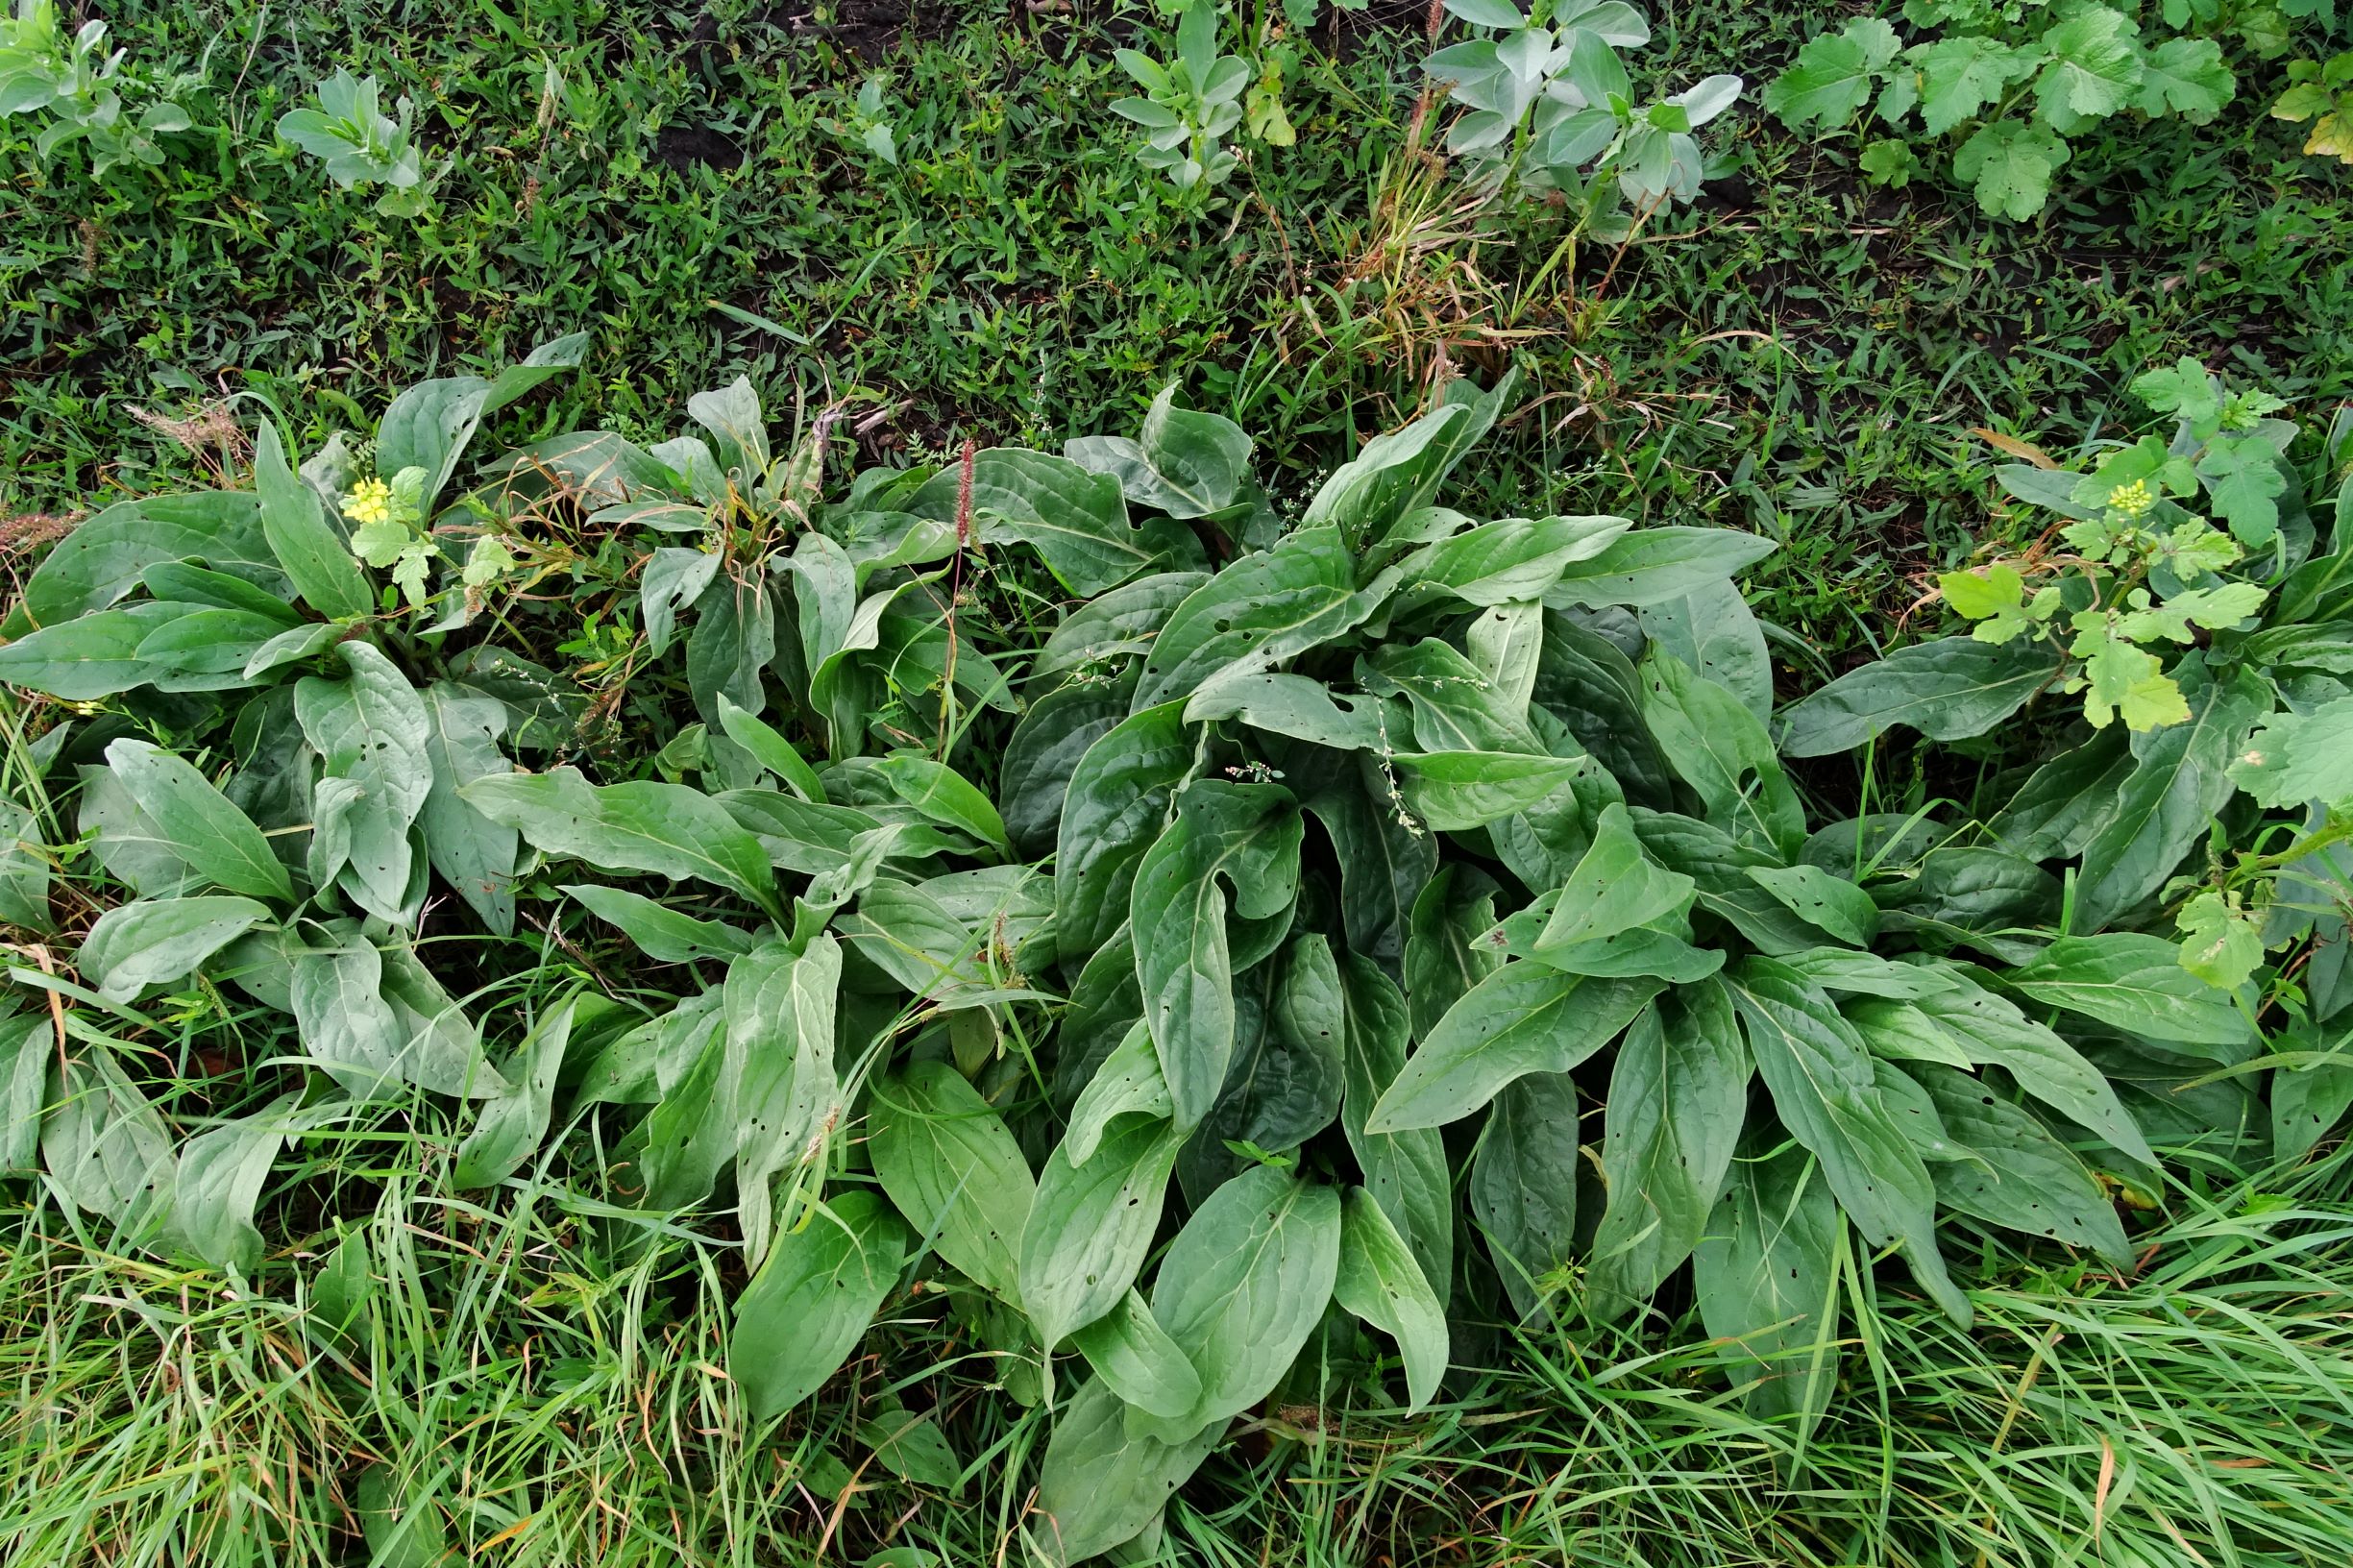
<point x="1614" y="888"/>
<point x="1262" y="609"/>
<point x="1398" y="472"/>
<point x="314" y="556"/>
<point x="911" y="1448"/>
<point x="24" y="872"/>
<point x="2067" y="799"/>
<point x="27" y="1046"/>
<point x="218" y="1184"/>
<point x="1076" y="520"/>
<point x="666" y="829"/>
<point x="661" y="933"/>
<point x="1102" y="1485"/>
<point x="1950" y="689"/>
<point x="1113" y="810"/>
<point x="953" y="1170"/>
<point x="779" y="1085"/>
<point x="104" y="556"/>
<point x="2093" y="69"/>
<point x="474" y="854"/>
<point x="690" y="1135"/>
<point x="1293" y="705"/>
<point x="2179" y="781"/>
<point x="1719" y="865"/>
<point x="1045" y="751"/>
<point x="511" y="1128"/>
<point x="1722" y="751"/>
<point x="1244" y="1283"/>
<point x="1989" y="1031"/>
<point x="372" y="728"/>
<point x="1584" y="681"/>
<point x="1129" y="1080"/>
<point x="1185" y="463"/>
<point x="2027" y="1180"/>
<point x="1406" y="1172"/>
<point x="1823" y="1087"/>
<point x="1817" y="897"/>
<point x="1962" y="74"/>
<point x="94" y="656"/>
<point x="157" y="940"/>
<point x="1385" y="865"/>
<point x="1712" y="631"/>
<point x="430" y="425"/>
<point x="2296" y="757"/>
<point x="1679" y="1094"/>
<point x="1443" y="955"/>
<point x="1244" y="834"/>
<point x="673" y="577"/>
<point x="1456" y="792"/>
<point x="2186" y="76"/>
<point x="1516" y="558"/>
<point x="1865" y="974"/>
<point x="1523" y="1185"/>
<point x="1452" y="708"/>
<point x="202" y="830"/>
<point x="1650" y="566"/>
<point x="944" y="796"/>
<point x="1894" y="1030"/>
<point x="1766" y="1275"/>
<point x="1506" y="647"/>
<point x="2307" y="1101"/>
<point x="444" y="1048"/>
<point x="1833" y="75"/>
<point x="1092" y="1224"/>
<point x="2134" y="982"/>
<point x="1116" y="624"/>
<point x="811" y="1302"/>
<point x="1379" y="1281"/>
<point x="770" y="750"/>
<point x="1522" y="1019"/>
<point x="1133" y="1356"/>
<point x="106" y="1146"/>
<point x="205" y="650"/>
<point x="2008" y="164"/>
<point x="1286" y="1080"/>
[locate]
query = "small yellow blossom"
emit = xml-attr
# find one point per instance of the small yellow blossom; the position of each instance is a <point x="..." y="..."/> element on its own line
<point x="2131" y="499"/>
<point x="370" y="501"/>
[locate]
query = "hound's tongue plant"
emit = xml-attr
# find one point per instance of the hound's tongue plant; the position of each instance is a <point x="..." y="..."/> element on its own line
<point x="1165" y="979"/>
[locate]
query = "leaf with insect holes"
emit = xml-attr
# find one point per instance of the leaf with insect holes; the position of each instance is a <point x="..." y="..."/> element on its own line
<point x="218" y="843"/>
<point x="952" y="1169"/>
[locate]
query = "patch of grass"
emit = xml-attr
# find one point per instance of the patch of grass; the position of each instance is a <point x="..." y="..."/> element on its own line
<point x="1799" y="353"/>
<point x="528" y="1382"/>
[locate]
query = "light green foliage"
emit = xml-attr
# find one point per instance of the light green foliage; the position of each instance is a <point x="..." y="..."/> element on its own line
<point x="2320" y="92"/>
<point x="2011" y="84"/>
<point x="359" y="144"/>
<point x="1549" y="108"/>
<point x="1192" y="103"/>
<point x="72" y="83"/>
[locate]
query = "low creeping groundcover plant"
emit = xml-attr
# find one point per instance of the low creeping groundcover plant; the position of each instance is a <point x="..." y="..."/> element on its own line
<point x="1180" y="935"/>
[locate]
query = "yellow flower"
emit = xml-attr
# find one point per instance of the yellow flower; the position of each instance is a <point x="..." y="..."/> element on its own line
<point x="370" y="501"/>
<point x="2131" y="499"/>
